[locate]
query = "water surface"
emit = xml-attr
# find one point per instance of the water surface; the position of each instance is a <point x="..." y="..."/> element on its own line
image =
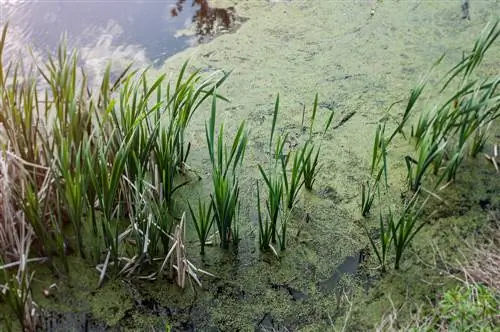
<point x="360" y="57"/>
<point x="144" y="31"/>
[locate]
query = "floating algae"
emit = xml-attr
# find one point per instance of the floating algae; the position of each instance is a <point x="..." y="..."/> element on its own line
<point x="363" y="63"/>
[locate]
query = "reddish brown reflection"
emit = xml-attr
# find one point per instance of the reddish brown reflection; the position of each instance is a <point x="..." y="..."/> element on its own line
<point x="208" y="19"/>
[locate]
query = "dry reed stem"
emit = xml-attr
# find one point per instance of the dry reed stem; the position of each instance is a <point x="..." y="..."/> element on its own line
<point x="16" y="237"/>
<point x="484" y="267"/>
<point x="182" y="265"/>
<point x="416" y="322"/>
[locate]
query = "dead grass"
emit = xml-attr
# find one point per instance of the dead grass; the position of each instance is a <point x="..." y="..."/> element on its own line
<point x="484" y="267"/>
<point x="16" y="237"/>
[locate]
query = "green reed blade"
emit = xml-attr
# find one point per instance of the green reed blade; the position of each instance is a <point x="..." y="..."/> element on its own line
<point x="275" y="117"/>
<point x="313" y="116"/>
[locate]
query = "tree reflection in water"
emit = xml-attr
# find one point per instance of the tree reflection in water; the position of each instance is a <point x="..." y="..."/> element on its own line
<point x="208" y="20"/>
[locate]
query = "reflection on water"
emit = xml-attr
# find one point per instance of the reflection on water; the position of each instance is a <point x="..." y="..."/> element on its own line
<point x="208" y="20"/>
<point x="143" y="31"/>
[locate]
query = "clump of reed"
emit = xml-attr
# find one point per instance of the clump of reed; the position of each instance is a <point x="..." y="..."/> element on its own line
<point x="396" y="233"/>
<point x="267" y="228"/>
<point x="378" y="167"/>
<point x="104" y="161"/>
<point x="203" y="220"/>
<point x="443" y="136"/>
<point x="311" y="166"/>
<point x="286" y="174"/>
<point x="225" y="160"/>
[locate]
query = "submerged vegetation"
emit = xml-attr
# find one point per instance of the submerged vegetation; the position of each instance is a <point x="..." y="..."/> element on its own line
<point x="96" y="172"/>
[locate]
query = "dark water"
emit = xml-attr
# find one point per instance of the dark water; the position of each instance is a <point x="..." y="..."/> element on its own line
<point x="146" y="31"/>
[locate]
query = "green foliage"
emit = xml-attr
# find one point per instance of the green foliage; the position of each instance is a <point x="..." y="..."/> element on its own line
<point x="378" y="167"/>
<point x="379" y="153"/>
<point x="273" y="202"/>
<point x="405" y="228"/>
<point x="203" y="221"/>
<point x="17" y="294"/>
<point x="293" y="180"/>
<point x="468" y="308"/>
<point x="429" y="151"/>
<point x="106" y="161"/>
<point x="396" y="233"/>
<point x="311" y="165"/>
<point x="444" y="133"/>
<point x="287" y="173"/>
<point x="368" y="192"/>
<point x="225" y="198"/>
<point x="311" y="160"/>
<point x="266" y="228"/>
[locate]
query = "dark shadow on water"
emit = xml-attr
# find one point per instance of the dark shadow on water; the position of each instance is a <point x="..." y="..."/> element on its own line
<point x="58" y="322"/>
<point x="348" y="267"/>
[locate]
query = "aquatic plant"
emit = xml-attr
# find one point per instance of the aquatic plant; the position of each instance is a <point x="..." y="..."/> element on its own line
<point x="225" y="198"/>
<point x="379" y="162"/>
<point x="479" y="139"/>
<point x="16" y="238"/>
<point x="274" y="182"/>
<point x="105" y="162"/>
<point x="452" y="165"/>
<point x="443" y="133"/>
<point x="458" y="123"/>
<point x="429" y="150"/>
<point x="284" y="182"/>
<point x="18" y="295"/>
<point x="311" y="159"/>
<point x="274" y="200"/>
<point x="25" y="166"/>
<point x="69" y="119"/>
<point x="293" y="180"/>
<point x="182" y="103"/>
<point x="203" y="221"/>
<point x="368" y="191"/>
<point x="311" y="166"/>
<point x="268" y="228"/>
<point x="406" y="228"/>
<point x="265" y="227"/>
<point x="105" y="180"/>
<point x="385" y="237"/>
<point x="73" y="186"/>
<point x="379" y="154"/>
<point x="396" y="232"/>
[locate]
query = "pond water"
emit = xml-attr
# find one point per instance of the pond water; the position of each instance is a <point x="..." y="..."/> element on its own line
<point x="360" y="57"/>
<point x="143" y="31"/>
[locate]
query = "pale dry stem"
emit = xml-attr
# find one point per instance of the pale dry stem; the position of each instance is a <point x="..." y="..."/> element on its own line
<point x="16" y="237"/>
